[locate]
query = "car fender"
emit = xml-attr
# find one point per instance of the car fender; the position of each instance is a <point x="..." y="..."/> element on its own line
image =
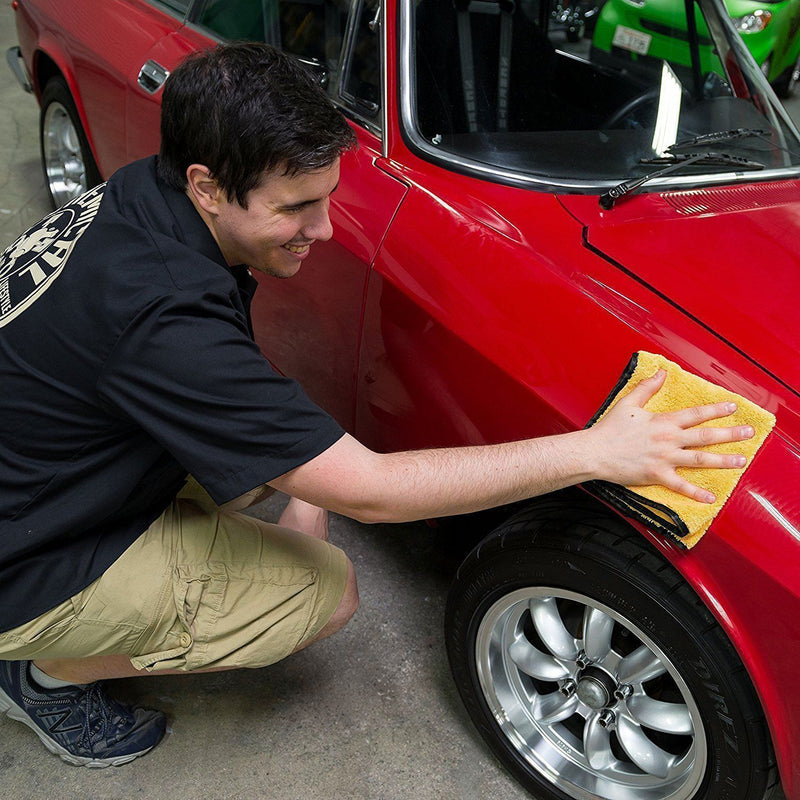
<point x="49" y="48"/>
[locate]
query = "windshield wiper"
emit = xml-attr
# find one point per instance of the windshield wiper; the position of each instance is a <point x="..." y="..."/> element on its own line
<point x="675" y="161"/>
<point x="719" y="137"/>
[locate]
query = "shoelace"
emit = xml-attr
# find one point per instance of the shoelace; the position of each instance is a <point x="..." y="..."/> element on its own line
<point x="97" y="707"/>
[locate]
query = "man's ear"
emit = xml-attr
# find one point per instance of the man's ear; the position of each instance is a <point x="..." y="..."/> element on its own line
<point x="204" y="188"/>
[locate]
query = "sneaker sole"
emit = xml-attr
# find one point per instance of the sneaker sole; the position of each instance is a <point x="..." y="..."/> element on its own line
<point x="13" y="711"/>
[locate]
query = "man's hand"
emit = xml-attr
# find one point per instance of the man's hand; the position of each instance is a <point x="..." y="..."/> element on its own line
<point x="638" y="448"/>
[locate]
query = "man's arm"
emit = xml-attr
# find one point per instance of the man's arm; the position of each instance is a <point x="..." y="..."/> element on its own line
<point x="630" y="446"/>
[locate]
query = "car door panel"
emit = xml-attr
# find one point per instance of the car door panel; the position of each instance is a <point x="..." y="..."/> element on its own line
<point x="319" y="310"/>
<point x="143" y="107"/>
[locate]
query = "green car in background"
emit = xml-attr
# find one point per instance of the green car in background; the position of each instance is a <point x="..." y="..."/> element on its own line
<point x="640" y="30"/>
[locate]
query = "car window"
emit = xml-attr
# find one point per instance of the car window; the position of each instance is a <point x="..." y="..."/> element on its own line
<point x="244" y="20"/>
<point x="317" y="33"/>
<point x="542" y="90"/>
<point x="180" y="7"/>
<point x="361" y="81"/>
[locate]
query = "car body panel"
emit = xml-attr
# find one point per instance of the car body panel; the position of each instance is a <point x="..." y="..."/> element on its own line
<point x="319" y="310"/>
<point x="96" y="76"/>
<point x="714" y="265"/>
<point x="474" y="326"/>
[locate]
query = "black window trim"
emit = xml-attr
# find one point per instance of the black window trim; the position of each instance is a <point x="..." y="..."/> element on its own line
<point x="165" y="7"/>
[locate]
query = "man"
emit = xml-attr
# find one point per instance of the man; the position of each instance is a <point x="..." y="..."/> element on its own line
<point x="127" y="363"/>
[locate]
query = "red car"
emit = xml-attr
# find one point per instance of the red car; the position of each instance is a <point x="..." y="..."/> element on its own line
<point x="519" y="219"/>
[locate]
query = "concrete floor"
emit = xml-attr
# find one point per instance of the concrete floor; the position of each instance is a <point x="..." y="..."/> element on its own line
<point x="371" y="714"/>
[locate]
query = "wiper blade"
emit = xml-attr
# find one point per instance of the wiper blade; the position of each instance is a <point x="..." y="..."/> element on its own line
<point x="674" y="162"/>
<point x="710" y="159"/>
<point x="719" y="137"/>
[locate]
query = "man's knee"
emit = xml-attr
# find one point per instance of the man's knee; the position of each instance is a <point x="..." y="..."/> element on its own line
<point x="347" y="607"/>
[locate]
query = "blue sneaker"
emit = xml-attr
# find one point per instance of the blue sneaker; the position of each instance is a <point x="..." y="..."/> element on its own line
<point x="80" y="724"/>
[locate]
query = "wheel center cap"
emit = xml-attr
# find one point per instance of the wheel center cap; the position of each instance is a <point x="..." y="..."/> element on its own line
<point x="592" y="692"/>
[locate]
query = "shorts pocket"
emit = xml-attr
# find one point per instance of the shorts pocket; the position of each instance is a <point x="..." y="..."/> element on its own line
<point x="235" y="615"/>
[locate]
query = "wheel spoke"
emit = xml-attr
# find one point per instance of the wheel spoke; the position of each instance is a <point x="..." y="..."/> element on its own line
<point x="535" y="663"/>
<point x="597" y="630"/>
<point x="597" y="744"/>
<point x="550" y="627"/>
<point x="647" y="756"/>
<point x="640" y="666"/>
<point x="660" y="716"/>
<point x="547" y="709"/>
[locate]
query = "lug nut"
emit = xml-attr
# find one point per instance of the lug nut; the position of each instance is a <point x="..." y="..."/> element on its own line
<point x="623" y="691"/>
<point x="568" y="687"/>
<point x="583" y="661"/>
<point x="607" y="720"/>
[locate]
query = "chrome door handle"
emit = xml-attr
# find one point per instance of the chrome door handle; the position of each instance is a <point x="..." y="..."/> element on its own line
<point x="152" y="76"/>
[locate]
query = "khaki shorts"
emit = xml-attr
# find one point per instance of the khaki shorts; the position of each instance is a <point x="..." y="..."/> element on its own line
<point x="199" y="588"/>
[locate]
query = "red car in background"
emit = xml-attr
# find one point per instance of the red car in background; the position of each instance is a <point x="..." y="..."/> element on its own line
<point x="517" y="220"/>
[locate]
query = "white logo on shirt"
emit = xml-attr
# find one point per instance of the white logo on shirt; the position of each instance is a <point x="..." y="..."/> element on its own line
<point x="31" y="264"/>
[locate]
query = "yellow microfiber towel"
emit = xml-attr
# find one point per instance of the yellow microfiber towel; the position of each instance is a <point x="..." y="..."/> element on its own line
<point x="681" y="518"/>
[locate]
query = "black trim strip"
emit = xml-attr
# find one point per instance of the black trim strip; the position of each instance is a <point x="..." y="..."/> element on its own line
<point x="654" y="516"/>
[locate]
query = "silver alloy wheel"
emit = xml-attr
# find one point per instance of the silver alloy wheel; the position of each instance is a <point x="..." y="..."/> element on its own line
<point x="571" y="682"/>
<point x="63" y="159"/>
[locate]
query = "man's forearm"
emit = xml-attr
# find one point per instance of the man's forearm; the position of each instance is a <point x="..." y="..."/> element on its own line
<point x="398" y="487"/>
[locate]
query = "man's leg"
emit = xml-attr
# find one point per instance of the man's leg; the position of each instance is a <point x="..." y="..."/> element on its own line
<point x="301" y="516"/>
<point x="225" y="572"/>
<point x="99" y="668"/>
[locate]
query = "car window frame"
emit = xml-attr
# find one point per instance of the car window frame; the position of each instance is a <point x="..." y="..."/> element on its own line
<point x="168" y="8"/>
<point x="358" y="107"/>
<point x="350" y="105"/>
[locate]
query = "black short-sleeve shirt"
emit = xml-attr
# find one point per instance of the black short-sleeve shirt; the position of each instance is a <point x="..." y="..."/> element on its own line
<point x="127" y="362"/>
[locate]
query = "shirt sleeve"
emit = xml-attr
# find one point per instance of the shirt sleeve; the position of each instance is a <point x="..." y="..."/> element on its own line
<point x="186" y="371"/>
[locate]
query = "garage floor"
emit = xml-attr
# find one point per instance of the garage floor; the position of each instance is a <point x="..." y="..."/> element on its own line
<point x="370" y="714"/>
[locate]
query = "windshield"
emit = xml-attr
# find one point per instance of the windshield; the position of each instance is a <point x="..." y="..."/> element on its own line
<point x="581" y="95"/>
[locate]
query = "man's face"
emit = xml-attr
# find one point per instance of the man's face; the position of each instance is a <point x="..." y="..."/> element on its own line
<point x="285" y="215"/>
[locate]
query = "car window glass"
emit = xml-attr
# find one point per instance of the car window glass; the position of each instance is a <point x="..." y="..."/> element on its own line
<point x="362" y="71"/>
<point x="316" y="32"/>
<point x="585" y="90"/>
<point x="244" y="20"/>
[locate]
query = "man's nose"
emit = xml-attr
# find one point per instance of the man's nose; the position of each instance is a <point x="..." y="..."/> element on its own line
<point x="319" y="226"/>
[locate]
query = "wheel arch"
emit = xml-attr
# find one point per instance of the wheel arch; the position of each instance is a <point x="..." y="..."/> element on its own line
<point x="49" y="62"/>
<point x="708" y="592"/>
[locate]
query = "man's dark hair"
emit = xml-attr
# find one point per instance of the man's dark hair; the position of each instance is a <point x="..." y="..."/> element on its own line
<point x="244" y="108"/>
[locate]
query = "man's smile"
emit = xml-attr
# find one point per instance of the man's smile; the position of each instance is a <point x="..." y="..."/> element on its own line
<point x="296" y="249"/>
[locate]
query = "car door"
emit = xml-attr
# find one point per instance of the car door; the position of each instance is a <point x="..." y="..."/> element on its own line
<point x="146" y="75"/>
<point x="309" y="326"/>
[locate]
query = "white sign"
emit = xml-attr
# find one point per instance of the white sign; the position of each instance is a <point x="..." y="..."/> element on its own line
<point x="633" y="40"/>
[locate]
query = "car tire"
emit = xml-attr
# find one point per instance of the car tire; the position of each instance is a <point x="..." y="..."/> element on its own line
<point x="567" y="632"/>
<point x="67" y="160"/>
